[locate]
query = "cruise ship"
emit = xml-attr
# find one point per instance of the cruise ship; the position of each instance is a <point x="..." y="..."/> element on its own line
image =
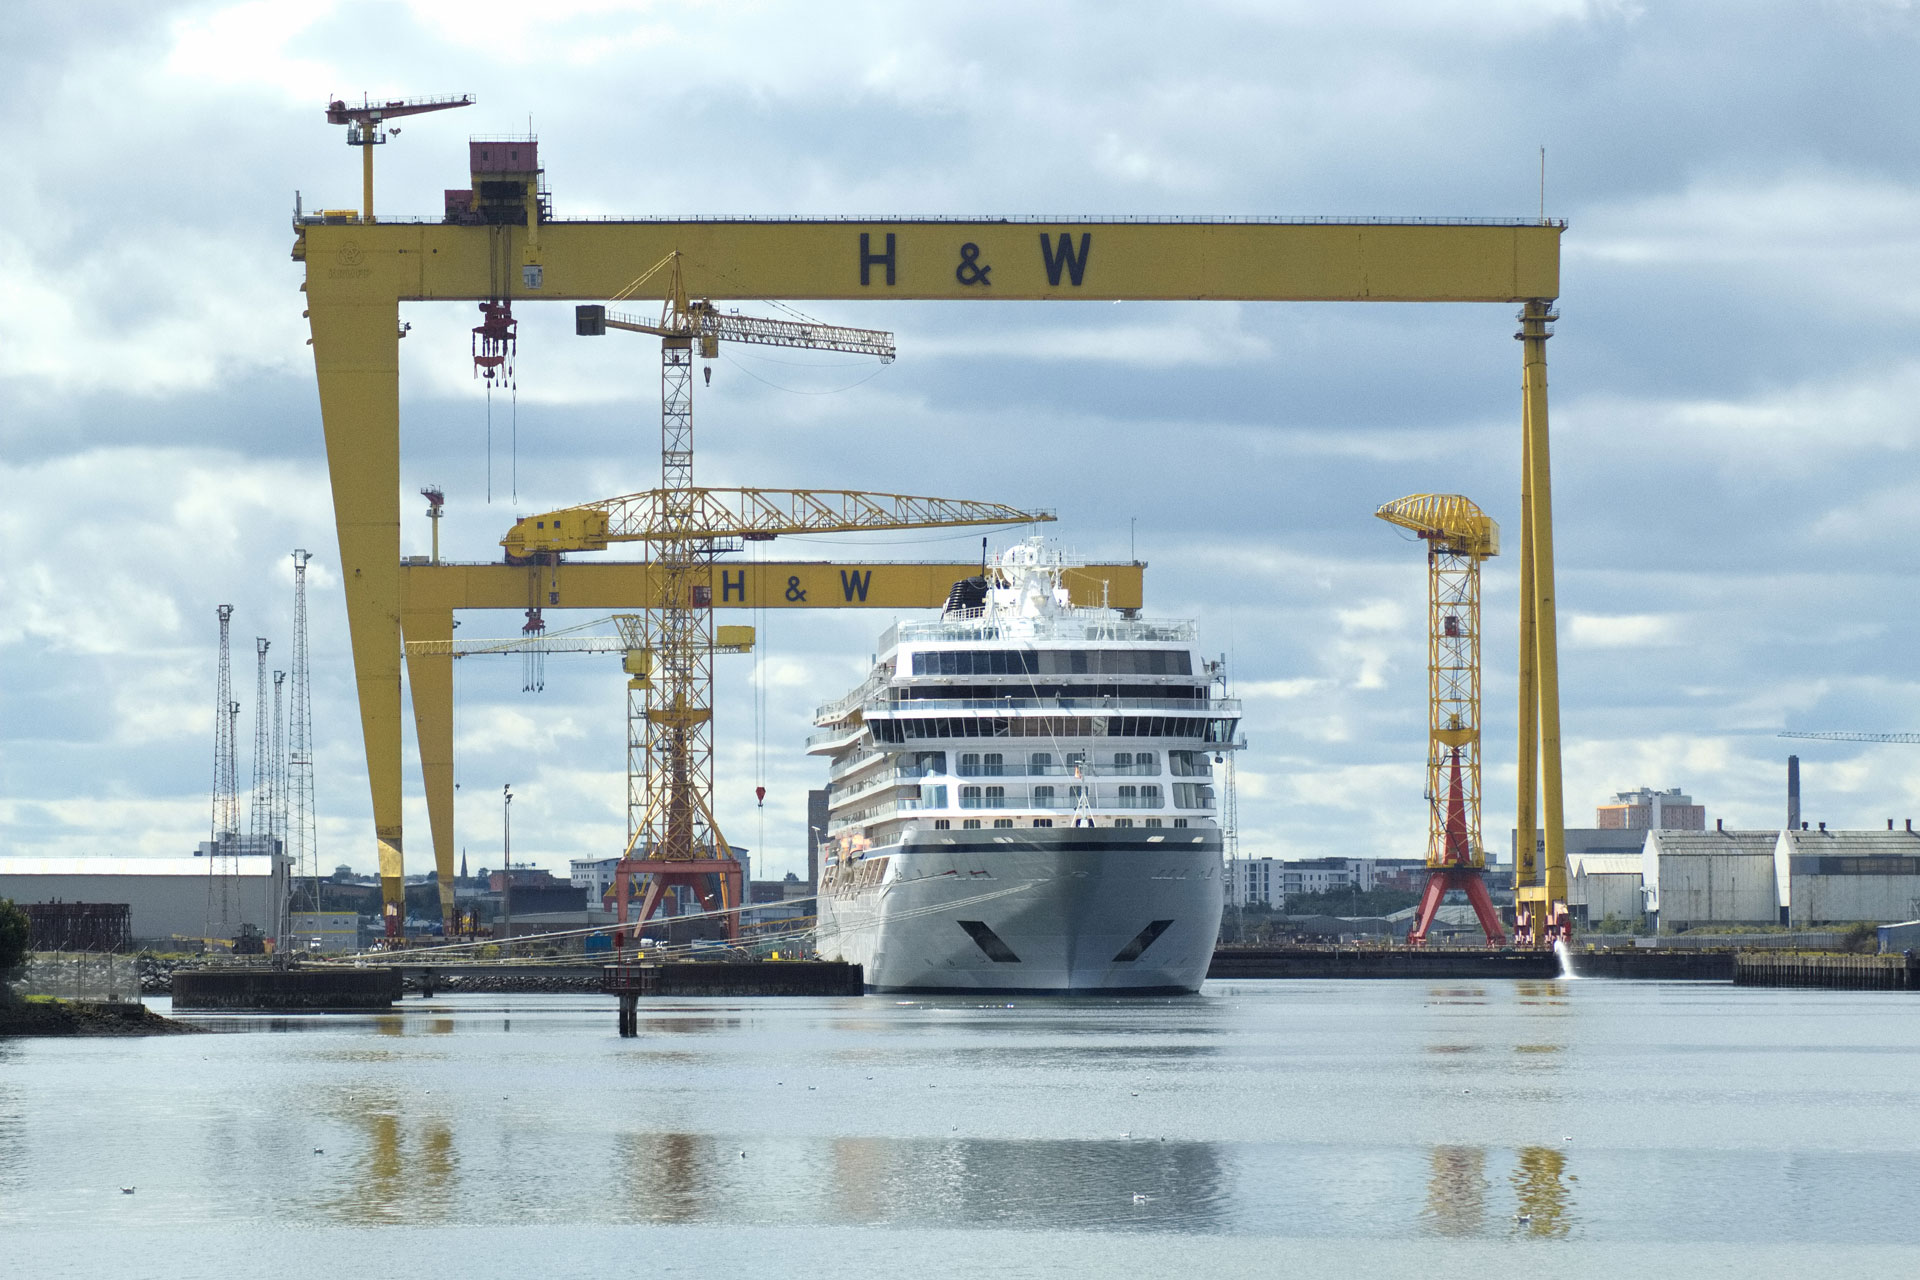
<point x="1023" y="796"/>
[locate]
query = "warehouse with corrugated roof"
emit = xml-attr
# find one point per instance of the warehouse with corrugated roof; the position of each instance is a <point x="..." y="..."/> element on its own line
<point x="1717" y="877"/>
<point x="168" y="899"/>
<point x="1839" y="877"/>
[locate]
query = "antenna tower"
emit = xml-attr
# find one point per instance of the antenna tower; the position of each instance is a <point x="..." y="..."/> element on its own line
<point x="277" y="807"/>
<point x="260" y="819"/>
<point x="277" y="779"/>
<point x="226" y="799"/>
<point x="304" y="846"/>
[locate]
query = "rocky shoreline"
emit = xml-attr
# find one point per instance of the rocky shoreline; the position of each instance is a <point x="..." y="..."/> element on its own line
<point x="39" y="1017"/>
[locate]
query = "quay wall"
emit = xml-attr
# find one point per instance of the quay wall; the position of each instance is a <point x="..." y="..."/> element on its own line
<point x="1841" y="972"/>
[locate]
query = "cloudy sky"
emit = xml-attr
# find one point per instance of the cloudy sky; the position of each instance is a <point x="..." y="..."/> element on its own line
<point x="1735" y="379"/>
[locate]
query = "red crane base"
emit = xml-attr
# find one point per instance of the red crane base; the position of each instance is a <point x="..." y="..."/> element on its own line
<point x="698" y="875"/>
<point x="1473" y="880"/>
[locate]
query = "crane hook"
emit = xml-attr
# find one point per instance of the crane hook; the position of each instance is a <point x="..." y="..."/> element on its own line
<point x="708" y="370"/>
<point x="760" y="794"/>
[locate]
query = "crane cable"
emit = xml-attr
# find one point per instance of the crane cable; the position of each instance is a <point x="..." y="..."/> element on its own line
<point x="759" y="692"/>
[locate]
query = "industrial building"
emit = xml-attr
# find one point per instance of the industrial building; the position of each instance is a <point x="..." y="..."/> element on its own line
<point x="1271" y="881"/>
<point x="1838" y="877"/>
<point x="1718" y="877"/>
<point x="1648" y="810"/>
<point x="168" y="899"/>
<point x="1607" y="886"/>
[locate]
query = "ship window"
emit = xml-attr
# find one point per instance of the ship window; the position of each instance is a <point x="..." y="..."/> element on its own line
<point x="1043" y="797"/>
<point x="1145" y="761"/>
<point x="1043" y="822"/>
<point x="1150" y="797"/>
<point x="1179" y="822"/>
<point x="941" y="824"/>
<point x="1192" y="795"/>
<point x="969" y="764"/>
<point x="1153" y="822"/>
<point x="991" y="764"/>
<point x="970" y="798"/>
<point x="1123" y="760"/>
<point x="970" y="824"/>
<point x="933" y="797"/>
<point x="996" y="797"/>
<point x="1076" y="793"/>
<point x="1040" y="762"/>
<point x="931" y="761"/>
<point x="1129" y="797"/>
<point x="1123" y="822"/>
<point x="1003" y="822"/>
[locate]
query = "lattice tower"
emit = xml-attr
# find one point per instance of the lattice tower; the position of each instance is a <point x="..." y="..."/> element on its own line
<point x="1453" y="702"/>
<point x="260" y="819"/>
<point x="302" y="835"/>
<point x="277" y="826"/>
<point x="675" y="765"/>
<point x="226" y="800"/>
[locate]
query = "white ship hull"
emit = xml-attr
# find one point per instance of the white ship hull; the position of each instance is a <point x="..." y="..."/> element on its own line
<point x="1096" y="909"/>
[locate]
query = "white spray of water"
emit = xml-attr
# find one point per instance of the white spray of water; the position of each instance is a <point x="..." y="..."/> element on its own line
<point x="1561" y="949"/>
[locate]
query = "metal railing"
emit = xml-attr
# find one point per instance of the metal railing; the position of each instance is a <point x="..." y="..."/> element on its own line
<point x="1119" y="706"/>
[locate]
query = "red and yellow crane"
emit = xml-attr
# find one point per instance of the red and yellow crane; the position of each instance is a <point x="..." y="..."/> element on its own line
<point x="1458" y="536"/>
<point x="673" y="837"/>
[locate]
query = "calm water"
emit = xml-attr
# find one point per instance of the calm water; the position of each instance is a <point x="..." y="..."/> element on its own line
<point x="1261" y="1128"/>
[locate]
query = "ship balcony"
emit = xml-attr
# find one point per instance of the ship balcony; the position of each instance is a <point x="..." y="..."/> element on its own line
<point x="837" y="795"/>
<point x="828" y="741"/>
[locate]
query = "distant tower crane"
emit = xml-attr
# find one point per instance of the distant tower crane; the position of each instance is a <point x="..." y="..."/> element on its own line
<point x="1458" y="536"/>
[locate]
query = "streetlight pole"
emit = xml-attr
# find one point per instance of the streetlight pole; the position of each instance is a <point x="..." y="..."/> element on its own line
<point x="506" y="874"/>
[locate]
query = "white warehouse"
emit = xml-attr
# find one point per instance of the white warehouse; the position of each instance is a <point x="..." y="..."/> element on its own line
<point x="167" y="898"/>
<point x="1838" y="877"/>
<point x="1718" y="877"/>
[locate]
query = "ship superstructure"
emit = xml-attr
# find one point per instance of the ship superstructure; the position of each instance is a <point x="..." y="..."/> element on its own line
<point x="1022" y="796"/>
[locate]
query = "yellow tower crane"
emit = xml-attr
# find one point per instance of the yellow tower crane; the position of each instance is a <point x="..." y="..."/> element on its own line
<point x="671" y="822"/>
<point x="1458" y="536"/>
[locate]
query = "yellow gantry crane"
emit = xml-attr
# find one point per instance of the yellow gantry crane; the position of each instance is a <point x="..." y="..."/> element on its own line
<point x="1458" y="536"/>
<point x="357" y="274"/>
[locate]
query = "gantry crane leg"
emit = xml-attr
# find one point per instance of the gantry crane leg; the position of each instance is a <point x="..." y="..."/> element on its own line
<point x="430" y="683"/>
<point x="356" y="355"/>
<point x="1540" y="901"/>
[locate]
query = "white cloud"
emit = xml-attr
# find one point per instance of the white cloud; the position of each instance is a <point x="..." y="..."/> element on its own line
<point x="1619" y="631"/>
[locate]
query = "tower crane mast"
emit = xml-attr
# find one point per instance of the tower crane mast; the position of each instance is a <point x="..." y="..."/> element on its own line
<point x="673" y="835"/>
<point x="1459" y="536"/>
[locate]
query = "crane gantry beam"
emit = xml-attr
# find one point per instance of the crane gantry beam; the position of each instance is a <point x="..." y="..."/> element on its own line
<point x="358" y="273"/>
<point x="746" y="513"/>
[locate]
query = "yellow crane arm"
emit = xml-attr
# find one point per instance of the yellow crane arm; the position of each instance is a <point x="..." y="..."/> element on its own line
<point x="710" y="325"/>
<point x="755" y="514"/>
<point x="1449" y="519"/>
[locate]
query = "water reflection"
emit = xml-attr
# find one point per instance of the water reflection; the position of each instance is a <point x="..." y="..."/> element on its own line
<point x="1014" y="1184"/>
<point x="1543" y="1196"/>
<point x="407" y="1166"/>
<point x="1456" y="1191"/>
<point x="13" y="1133"/>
